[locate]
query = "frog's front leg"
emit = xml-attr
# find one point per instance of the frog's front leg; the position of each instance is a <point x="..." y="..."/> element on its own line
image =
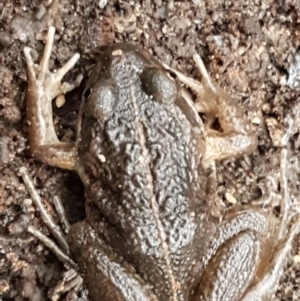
<point x="43" y="87"/>
<point x="237" y="136"/>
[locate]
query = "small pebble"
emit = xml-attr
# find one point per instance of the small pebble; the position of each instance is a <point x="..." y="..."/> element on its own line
<point x="266" y="107"/>
<point x="230" y="198"/>
<point x="297" y="258"/>
<point x="276" y="131"/>
<point x="4" y="286"/>
<point x="60" y="100"/>
<point x="256" y="120"/>
<point x="102" y="3"/>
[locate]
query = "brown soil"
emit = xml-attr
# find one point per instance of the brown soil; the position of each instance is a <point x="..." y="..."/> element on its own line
<point x="250" y="49"/>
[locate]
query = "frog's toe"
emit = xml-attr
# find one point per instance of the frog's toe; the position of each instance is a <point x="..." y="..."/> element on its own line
<point x="67" y="67"/>
<point x="40" y="75"/>
<point x="193" y="84"/>
<point x="200" y="65"/>
<point x="30" y="64"/>
<point x="204" y="93"/>
<point x="44" y="64"/>
<point x="28" y="57"/>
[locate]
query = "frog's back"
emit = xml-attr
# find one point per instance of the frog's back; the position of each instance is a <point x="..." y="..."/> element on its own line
<point x="145" y="164"/>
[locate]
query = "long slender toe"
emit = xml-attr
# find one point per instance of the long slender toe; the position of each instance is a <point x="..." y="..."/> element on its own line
<point x="44" y="64"/>
<point x="67" y="67"/>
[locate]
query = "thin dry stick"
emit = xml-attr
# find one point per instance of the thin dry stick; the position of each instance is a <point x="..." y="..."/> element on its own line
<point x="55" y="230"/>
<point x="60" y="210"/>
<point x="285" y="197"/>
<point x="52" y="246"/>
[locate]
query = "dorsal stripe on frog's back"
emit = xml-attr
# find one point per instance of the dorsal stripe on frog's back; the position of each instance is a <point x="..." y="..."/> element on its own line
<point x="154" y="205"/>
<point x="144" y="189"/>
<point x="176" y="184"/>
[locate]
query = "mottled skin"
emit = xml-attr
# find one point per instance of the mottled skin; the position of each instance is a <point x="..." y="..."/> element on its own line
<point x="149" y="232"/>
<point x="143" y="199"/>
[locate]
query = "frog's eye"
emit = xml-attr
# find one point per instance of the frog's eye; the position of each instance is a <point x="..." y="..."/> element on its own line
<point x="157" y="84"/>
<point x="101" y="101"/>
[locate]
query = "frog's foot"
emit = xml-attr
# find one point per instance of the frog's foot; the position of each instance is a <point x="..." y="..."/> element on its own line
<point x="72" y="281"/>
<point x="40" y="74"/>
<point x="236" y="136"/>
<point x="43" y="87"/>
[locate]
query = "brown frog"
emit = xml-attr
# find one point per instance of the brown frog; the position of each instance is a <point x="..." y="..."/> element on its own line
<point x="142" y="151"/>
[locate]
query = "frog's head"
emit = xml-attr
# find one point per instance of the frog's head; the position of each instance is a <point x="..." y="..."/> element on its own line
<point x="120" y="69"/>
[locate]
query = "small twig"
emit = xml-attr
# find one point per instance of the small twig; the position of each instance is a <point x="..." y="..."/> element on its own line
<point x="55" y="230"/>
<point x="60" y="210"/>
<point x="75" y="284"/>
<point x="285" y="198"/>
<point x="52" y="246"/>
<point x="71" y="281"/>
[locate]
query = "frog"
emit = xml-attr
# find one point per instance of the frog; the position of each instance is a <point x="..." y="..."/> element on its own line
<point x="152" y="231"/>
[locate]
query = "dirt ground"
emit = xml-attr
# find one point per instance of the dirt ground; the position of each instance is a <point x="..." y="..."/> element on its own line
<point x="250" y="49"/>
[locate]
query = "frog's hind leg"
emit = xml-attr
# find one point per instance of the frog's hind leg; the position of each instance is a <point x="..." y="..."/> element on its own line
<point x="244" y="259"/>
<point x="43" y="87"/>
<point x="288" y="228"/>
<point x="107" y="276"/>
<point x="229" y="262"/>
